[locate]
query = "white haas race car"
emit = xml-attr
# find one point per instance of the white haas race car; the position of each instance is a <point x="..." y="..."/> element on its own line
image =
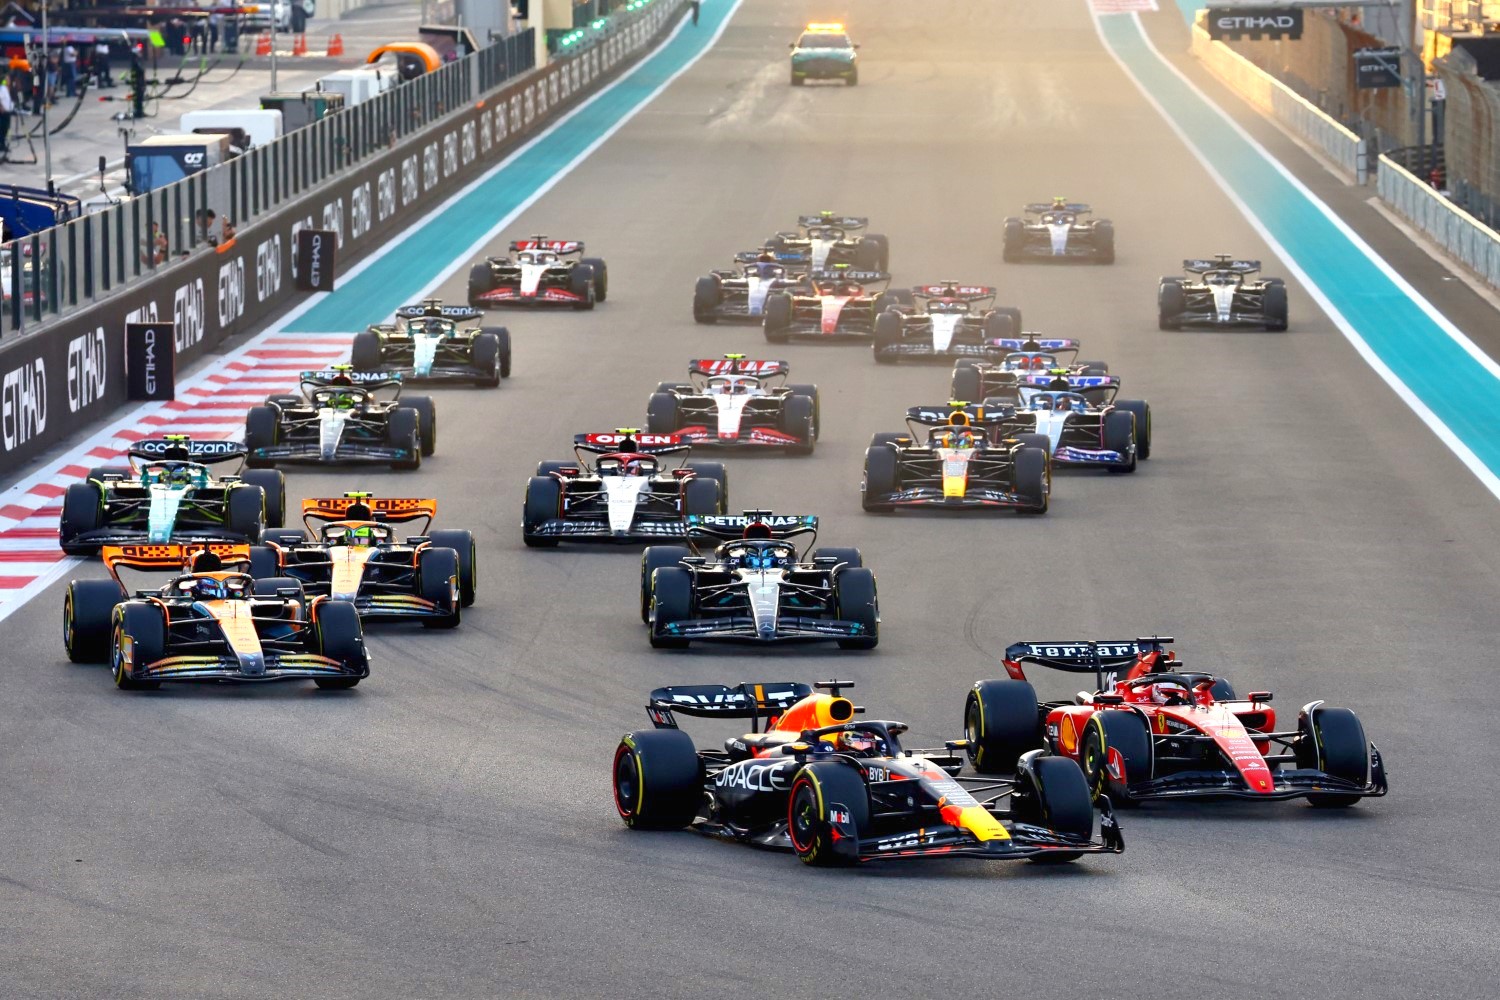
<point x="740" y="294"/>
<point x="737" y="403"/>
<point x="539" y="274"/>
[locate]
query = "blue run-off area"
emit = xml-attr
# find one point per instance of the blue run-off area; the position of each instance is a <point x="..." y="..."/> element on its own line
<point x="1445" y="377"/>
<point x="393" y="280"/>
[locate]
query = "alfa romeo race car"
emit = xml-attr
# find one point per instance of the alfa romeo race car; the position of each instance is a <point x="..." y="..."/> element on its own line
<point x="740" y="294"/>
<point x="1078" y="419"/>
<point x="350" y="552"/>
<point x="209" y="623"/>
<point x="427" y="344"/>
<point x="949" y="321"/>
<point x="617" y="490"/>
<point x="1057" y="231"/>
<point x="1001" y="380"/>
<point x="539" y="273"/>
<point x="829" y="305"/>
<point x="837" y="790"/>
<point x="341" y="418"/>
<point x="960" y="462"/>
<point x="754" y="586"/>
<point x="824" y="52"/>
<point x="1216" y="293"/>
<point x="737" y="403"/>
<point x="1153" y="729"/>
<point x="168" y="494"/>
<point x="825" y="241"/>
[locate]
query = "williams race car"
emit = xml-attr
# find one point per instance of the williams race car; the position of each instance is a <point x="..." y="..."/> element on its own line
<point x="617" y="490"/>
<point x="350" y="552"/>
<point x="1057" y="231"/>
<point x="1216" y="293"/>
<point x="825" y="241"/>
<point x="1023" y="359"/>
<point x="209" y="623"/>
<point x="830" y="305"/>
<point x="949" y="321"/>
<point x="838" y="790"/>
<point x="737" y="403"/>
<point x="341" y="418"/>
<point x="740" y="294"/>
<point x="427" y="344"/>
<point x="754" y="587"/>
<point x="1077" y="418"/>
<point x="168" y="494"/>
<point x="539" y="273"/>
<point x="824" y="52"/>
<point x="960" y="462"/>
<point x="1154" y="730"/>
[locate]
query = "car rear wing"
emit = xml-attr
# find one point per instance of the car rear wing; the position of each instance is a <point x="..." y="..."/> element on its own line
<point x="434" y="309"/>
<point x="171" y="556"/>
<point x="181" y="448"/>
<point x="1073" y="381"/>
<point x="837" y="221"/>
<point x="968" y="293"/>
<point x="326" y="377"/>
<point x="737" y="364"/>
<point x="727" y="527"/>
<point x="754" y="701"/>
<point x="1221" y="262"/>
<point x="1038" y="207"/>
<point x="390" y="509"/>
<point x="1045" y="345"/>
<point x="542" y="243"/>
<point x="959" y="413"/>
<point x="1085" y="656"/>
<point x="629" y="440"/>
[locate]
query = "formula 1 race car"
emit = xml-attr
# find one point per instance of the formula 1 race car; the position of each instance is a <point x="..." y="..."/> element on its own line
<point x="617" y="490"/>
<point x="350" y="553"/>
<point x="540" y="273"/>
<point x="1023" y="359"/>
<point x="427" y="344"/>
<point x="754" y="587"/>
<point x="826" y="241"/>
<point x="960" y="463"/>
<point x="1057" y="231"/>
<point x="209" y="623"/>
<point x="1078" y="419"/>
<point x="824" y="52"/>
<point x="340" y="418"/>
<point x="740" y="294"/>
<point x="829" y="305"/>
<point x="1217" y="294"/>
<point x="737" y="403"/>
<point x="948" y="322"/>
<point x="838" y="791"/>
<point x="1153" y="729"/>
<point x="168" y="494"/>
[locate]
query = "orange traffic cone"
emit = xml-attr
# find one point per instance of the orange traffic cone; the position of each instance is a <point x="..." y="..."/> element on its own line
<point x="336" y="45"/>
<point x="262" y="44"/>
<point x="299" y="47"/>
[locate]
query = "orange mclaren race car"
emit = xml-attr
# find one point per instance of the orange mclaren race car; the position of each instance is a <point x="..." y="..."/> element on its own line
<point x="209" y="623"/>
<point x="838" y="790"/>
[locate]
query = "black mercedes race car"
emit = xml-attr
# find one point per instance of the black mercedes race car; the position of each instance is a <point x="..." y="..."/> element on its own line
<point x="1057" y="231"/>
<point x="839" y="791"/>
<point x="426" y="343"/>
<point x="825" y="241"/>
<point x="949" y="320"/>
<point x="1023" y="361"/>
<point x="739" y="294"/>
<point x="829" y="305"/>
<point x="737" y="403"/>
<point x="342" y="418"/>
<point x="540" y="273"/>
<point x="1219" y="293"/>
<point x="753" y="586"/>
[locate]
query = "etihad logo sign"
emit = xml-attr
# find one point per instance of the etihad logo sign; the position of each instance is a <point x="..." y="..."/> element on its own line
<point x="1254" y="22"/>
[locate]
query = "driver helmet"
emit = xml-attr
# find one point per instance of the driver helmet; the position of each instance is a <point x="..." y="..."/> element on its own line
<point x="435" y="327"/>
<point x="767" y="255"/>
<point x="182" y="475"/>
<point x="363" y="536"/>
<point x="206" y="588"/>
<point x="1170" y="693"/>
<point x="963" y="437"/>
<point x="860" y="743"/>
<point x="341" y="401"/>
<point x="635" y="467"/>
<point x="1059" y="203"/>
<point x="1064" y="403"/>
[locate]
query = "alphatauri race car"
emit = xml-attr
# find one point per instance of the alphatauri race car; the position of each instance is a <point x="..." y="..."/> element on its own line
<point x="351" y="552"/>
<point x="739" y="295"/>
<point x="1057" y="231"/>
<point x="754" y="587"/>
<point x="1022" y="361"/>
<point x="949" y="321"/>
<point x="540" y="273"/>
<point x="1154" y="730"/>
<point x="618" y="490"/>
<point x="209" y="623"/>
<point x="829" y="305"/>
<point x="824" y="52"/>
<point x="168" y="494"/>
<point x="737" y="403"/>
<point x="952" y="457"/>
<point x="341" y="418"/>
<point x="838" y="790"/>
<point x="1218" y="293"/>
<point x="426" y="343"/>
<point x="1078" y="419"/>
<point x="826" y="241"/>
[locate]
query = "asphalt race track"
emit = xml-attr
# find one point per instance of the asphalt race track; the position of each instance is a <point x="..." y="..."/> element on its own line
<point x="446" y="830"/>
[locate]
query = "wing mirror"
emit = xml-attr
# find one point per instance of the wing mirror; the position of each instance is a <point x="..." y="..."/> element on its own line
<point x="1260" y="696"/>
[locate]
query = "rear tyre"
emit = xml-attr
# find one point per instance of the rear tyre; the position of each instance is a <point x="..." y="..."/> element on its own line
<point x="657" y="557"/>
<point x="245" y="515"/>
<point x="1032" y="474"/>
<point x="658" y="779"/>
<point x="661" y="413"/>
<point x="480" y="282"/>
<point x="461" y="541"/>
<point x="364" y="353"/>
<point x="340" y="636"/>
<point x="999" y="325"/>
<point x="1170" y="304"/>
<point x="83" y="511"/>
<point x="99" y="472"/>
<point x="811" y="392"/>
<point x="426" y="421"/>
<point x="274" y="484"/>
<point x="707" y="294"/>
<point x="855" y="601"/>
<point x="88" y="609"/>
<point x="269" y="586"/>
<point x="885" y="249"/>
<point x="715" y="471"/>
<point x="1142" y="411"/>
<point x="403" y="430"/>
<point x="968" y="385"/>
<point x="145" y="628"/>
<point x="1104" y="242"/>
<point x="1015" y="240"/>
<point x="867" y="255"/>
<point x="264" y="565"/>
<point x="549" y="466"/>
<point x="484" y="355"/>
<point x="777" y="323"/>
<point x="1002" y="720"/>
<point x="888" y="327"/>
<point x="818" y="791"/>
<point x="1333" y="741"/>
<point x="1126" y="733"/>
<point x="581" y="283"/>
<point x="437" y="577"/>
<point x="543" y="503"/>
<point x="1119" y="435"/>
<point x="797" y="419"/>
<point x="880" y="478"/>
<point x="601" y="276"/>
<point x="262" y="426"/>
<point x="1052" y="792"/>
<point x="671" y="604"/>
<point x="1275" y="306"/>
<point x="849" y="556"/>
<point x="702" y="497"/>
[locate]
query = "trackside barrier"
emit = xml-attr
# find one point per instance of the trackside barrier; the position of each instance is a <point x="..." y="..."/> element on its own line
<point x="1271" y="97"/>
<point x="1453" y="229"/>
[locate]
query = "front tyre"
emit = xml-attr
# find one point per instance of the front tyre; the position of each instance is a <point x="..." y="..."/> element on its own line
<point x="1117" y="753"/>
<point x="1051" y="792"/>
<point x="828" y="812"/>
<point x="855" y="602"/>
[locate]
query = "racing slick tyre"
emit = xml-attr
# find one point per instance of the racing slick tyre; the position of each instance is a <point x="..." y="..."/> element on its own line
<point x="798" y="418"/>
<point x="702" y="497"/>
<point x="581" y="284"/>
<point x="460" y="540"/>
<point x="657" y="557"/>
<point x="364" y="353"/>
<point x="1052" y="792"/>
<point x="1142" y="411"/>
<point x="661" y="413"/>
<point x="88" y="607"/>
<point x="264" y="565"/>
<point x="145" y="628"/>
<point x="338" y="635"/>
<point x="403" y="430"/>
<point x="867" y="255"/>
<point x="887" y="336"/>
<point x="658" y="779"/>
<point x="1333" y="741"/>
<point x="1126" y="733"/>
<point x="426" y="421"/>
<point x="1119" y="435"/>
<point x="1170" y="304"/>
<point x="549" y="466"/>
<point x="854" y="600"/>
<point x="1094" y="367"/>
<point x="1273" y="304"/>
<point x="543" y="503"/>
<point x="437" y="572"/>
<point x="888" y="437"/>
<point x="1104" y="242"/>
<point x="262" y="427"/>
<point x="481" y="280"/>
<point x="885" y="249"/>
<point x="811" y="391"/>
<point x="967" y="384"/>
<point x="486" y="355"/>
<point x="1002" y="720"/>
<point x="818" y="791"/>
<point x="777" y="323"/>
<point x="880" y="478"/>
<point x="245" y="512"/>
<point x="903" y="296"/>
<point x="1015" y="318"/>
<point x="83" y="511"/>
<point x="99" y="472"/>
<point x="269" y="586"/>
<point x="1033" y="475"/>
<point x="274" y="483"/>
<point x="999" y="325"/>
<point x="852" y="558"/>
<point x="671" y="602"/>
<point x="1035" y="441"/>
<point x="601" y="276"/>
<point x="674" y="387"/>
<point x="715" y="471"/>
<point x="707" y="295"/>
<point x="1015" y="240"/>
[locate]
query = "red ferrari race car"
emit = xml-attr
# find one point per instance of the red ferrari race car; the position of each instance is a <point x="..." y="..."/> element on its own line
<point x="830" y="305"/>
<point x="540" y="273"/>
<point x="1155" y="730"/>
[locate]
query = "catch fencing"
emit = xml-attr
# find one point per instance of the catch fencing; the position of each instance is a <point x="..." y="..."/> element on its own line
<point x="1456" y="231"/>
